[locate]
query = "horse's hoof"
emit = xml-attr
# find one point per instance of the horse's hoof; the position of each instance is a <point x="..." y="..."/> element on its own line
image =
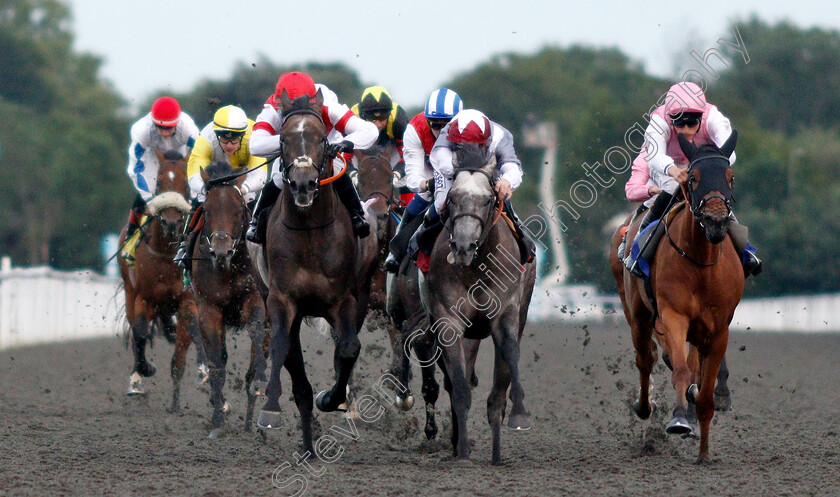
<point x="703" y="460"/>
<point x="431" y="430"/>
<point x="146" y="369"/>
<point x="226" y="408"/>
<point x="405" y="404"/>
<point x="642" y="414"/>
<point x="135" y="385"/>
<point x="258" y="387"/>
<point x="215" y="433"/>
<point x="723" y="402"/>
<point x="270" y="420"/>
<point x="519" y="422"/>
<point x="203" y="374"/>
<point x="474" y="380"/>
<point x="323" y="404"/>
<point x="678" y="426"/>
<point x="692" y="393"/>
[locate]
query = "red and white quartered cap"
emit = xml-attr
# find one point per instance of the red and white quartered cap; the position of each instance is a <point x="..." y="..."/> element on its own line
<point x="469" y="126"/>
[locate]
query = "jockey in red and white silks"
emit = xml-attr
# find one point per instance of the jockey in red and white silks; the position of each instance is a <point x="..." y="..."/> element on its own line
<point x="472" y="126"/>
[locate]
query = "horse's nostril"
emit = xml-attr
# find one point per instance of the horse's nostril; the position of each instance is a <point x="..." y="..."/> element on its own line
<point x="293" y="185"/>
<point x="311" y="185"/>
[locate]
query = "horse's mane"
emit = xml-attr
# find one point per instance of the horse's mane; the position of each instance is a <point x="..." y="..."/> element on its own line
<point x="218" y="170"/>
<point x="172" y="155"/>
<point x="471" y="156"/>
<point x="300" y="103"/>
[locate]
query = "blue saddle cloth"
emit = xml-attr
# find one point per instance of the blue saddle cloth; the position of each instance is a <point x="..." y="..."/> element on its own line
<point x="635" y="251"/>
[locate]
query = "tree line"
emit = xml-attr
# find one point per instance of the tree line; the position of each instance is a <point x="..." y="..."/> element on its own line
<point x="65" y="138"/>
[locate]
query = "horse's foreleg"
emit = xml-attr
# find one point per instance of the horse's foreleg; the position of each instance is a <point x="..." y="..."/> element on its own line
<point x="460" y="395"/>
<point x="505" y="340"/>
<point x="470" y="354"/>
<point x="496" y="403"/>
<point x="212" y="331"/>
<point x="301" y="388"/>
<point x="188" y="314"/>
<point x="140" y="333"/>
<point x="705" y="401"/>
<point x="347" y="348"/>
<point x="254" y="311"/>
<point x="723" y="397"/>
<point x="426" y="350"/>
<point x="280" y="313"/>
<point x="179" y="358"/>
<point x="673" y="339"/>
<point x="400" y="365"/>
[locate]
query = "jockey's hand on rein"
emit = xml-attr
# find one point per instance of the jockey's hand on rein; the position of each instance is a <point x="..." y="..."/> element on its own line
<point x="334" y="149"/>
<point x="678" y="174"/>
<point x="503" y="189"/>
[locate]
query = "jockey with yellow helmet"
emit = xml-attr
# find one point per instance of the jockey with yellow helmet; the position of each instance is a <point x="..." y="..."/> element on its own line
<point x="377" y="106"/>
<point x="165" y="129"/>
<point x="225" y="139"/>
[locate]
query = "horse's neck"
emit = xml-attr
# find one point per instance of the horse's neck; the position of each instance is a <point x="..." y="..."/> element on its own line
<point x="692" y="239"/>
<point x="320" y="213"/>
<point x="156" y="240"/>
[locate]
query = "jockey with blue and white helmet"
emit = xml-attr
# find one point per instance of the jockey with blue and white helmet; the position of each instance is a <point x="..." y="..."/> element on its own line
<point x="418" y="140"/>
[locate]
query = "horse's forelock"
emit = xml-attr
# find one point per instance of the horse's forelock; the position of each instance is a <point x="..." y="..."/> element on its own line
<point x="218" y="170"/>
<point x="473" y="156"/>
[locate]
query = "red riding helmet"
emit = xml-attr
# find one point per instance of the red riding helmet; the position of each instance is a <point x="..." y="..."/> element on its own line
<point x="166" y="111"/>
<point x="295" y="84"/>
<point x="469" y="126"/>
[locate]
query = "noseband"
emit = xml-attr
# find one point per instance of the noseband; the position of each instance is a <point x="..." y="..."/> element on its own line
<point x="484" y="232"/>
<point x="303" y="160"/>
<point x="697" y="210"/>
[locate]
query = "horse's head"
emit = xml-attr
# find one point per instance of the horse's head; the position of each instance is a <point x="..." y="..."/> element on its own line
<point x="225" y="214"/>
<point x="471" y="201"/>
<point x="710" y="185"/>
<point x="303" y="137"/>
<point x="376" y="181"/>
<point x="170" y="205"/>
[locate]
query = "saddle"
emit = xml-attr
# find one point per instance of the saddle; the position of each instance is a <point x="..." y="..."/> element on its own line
<point x="646" y="242"/>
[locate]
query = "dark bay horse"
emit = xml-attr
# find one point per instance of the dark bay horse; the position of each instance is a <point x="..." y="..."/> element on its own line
<point x="377" y="186"/>
<point x="316" y="266"/>
<point x="154" y="291"/>
<point x="478" y="288"/>
<point x="697" y="282"/>
<point x="226" y="287"/>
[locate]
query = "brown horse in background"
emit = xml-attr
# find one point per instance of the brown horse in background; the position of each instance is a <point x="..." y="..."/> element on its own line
<point x="697" y="282"/>
<point x="477" y="288"/>
<point x="376" y="185"/>
<point x="316" y="266"/>
<point x="226" y="288"/>
<point x="154" y="290"/>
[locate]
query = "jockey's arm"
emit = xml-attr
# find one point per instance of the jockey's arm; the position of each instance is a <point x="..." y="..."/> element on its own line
<point x="638" y="187"/>
<point x="255" y="180"/>
<point x="719" y="129"/>
<point x="200" y="158"/>
<point x="362" y="134"/>
<point x="264" y="140"/>
<point x="510" y="169"/>
<point x="416" y="174"/>
<point x="656" y="145"/>
<point x="136" y="155"/>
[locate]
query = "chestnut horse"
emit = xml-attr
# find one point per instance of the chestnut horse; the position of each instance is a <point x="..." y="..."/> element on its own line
<point x="226" y="287"/>
<point x="316" y="266"/>
<point x="154" y="290"/>
<point x="478" y="288"/>
<point x="697" y="281"/>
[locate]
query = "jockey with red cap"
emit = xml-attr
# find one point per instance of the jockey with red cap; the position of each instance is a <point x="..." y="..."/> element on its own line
<point x="345" y="131"/>
<point x="164" y="129"/>
<point x="661" y="167"/>
<point x="472" y="126"/>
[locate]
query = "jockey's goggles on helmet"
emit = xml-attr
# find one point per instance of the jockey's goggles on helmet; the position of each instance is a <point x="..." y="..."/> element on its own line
<point x="164" y="128"/>
<point x="686" y="119"/>
<point x="376" y="114"/>
<point x="229" y="136"/>
<point x="438" y="124"/>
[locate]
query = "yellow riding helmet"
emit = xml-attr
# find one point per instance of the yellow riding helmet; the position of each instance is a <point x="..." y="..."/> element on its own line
<point x="375" y="102"/>
<point x="230" y="120"/>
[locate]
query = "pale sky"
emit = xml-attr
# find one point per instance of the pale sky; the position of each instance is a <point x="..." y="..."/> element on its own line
<point x="409" y="47"/>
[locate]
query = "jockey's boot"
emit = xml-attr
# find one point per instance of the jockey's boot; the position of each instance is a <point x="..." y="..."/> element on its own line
<point x="396" y="249"/>
<point x="424" y="238"/>
<point x="527" y="247"/>
<point x="350" y="198"/>
<point x="660" y="205"/>
<point x="133" y="233"/>
<point x="257" y="227"/>
<point x="740" y="234"/>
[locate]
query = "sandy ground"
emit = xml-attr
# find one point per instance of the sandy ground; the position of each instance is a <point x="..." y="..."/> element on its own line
<point x="67" y="428"/>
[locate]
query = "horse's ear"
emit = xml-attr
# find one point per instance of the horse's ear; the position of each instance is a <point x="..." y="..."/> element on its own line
<point x="686" y="146"/>
<point x="319" y="101"/>
<point x="285" y="101"/>
<point x="729" y="146"/>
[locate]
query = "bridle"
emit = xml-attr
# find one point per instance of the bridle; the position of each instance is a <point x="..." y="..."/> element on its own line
<point x="482" y="220"/>
<point x="239" y="236"/>
<point x="303" y="160"/>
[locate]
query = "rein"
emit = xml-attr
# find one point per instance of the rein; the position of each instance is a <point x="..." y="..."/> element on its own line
<point x="684" y="254"/>
<point x="484" y="232"/>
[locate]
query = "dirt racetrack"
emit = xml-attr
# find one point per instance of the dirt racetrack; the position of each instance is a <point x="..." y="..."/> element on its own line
<point x="67" y="427"/>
